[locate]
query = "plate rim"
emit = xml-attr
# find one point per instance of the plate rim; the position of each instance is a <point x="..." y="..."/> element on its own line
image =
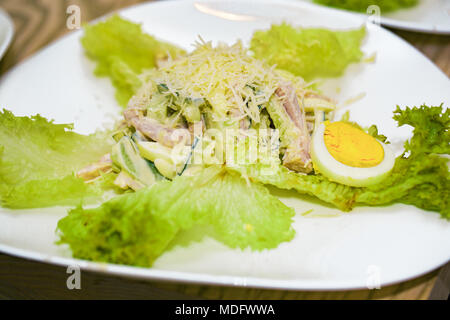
<point x="414" y="27"/>
<point x="411" y="26"/>
<point x="4" y="46"/>
<point x="151" y="274"/>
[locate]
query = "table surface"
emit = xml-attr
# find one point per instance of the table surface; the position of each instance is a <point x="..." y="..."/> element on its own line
<point x="39" y="22"/>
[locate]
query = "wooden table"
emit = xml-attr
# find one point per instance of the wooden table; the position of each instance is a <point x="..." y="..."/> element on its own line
<point x="39" y="22"/>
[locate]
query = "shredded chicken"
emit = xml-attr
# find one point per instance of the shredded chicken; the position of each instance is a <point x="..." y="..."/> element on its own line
<point x="95" y="170"/>
<point x="134" y="115"/>
<point x="244" y="122"/>
<point x="313" y="100"/>
<point x="297" y="156"/>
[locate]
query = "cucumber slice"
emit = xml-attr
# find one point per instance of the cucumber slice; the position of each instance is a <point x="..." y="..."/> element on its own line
<point x="153" y="150"/>
<point x="167" y="168"/>
<point x="137" y="136"/>
<point x="152" y="166"/>
<point x="188" y="159"/>
<point x="167" y="161"/>
<point x="126" y="156"/>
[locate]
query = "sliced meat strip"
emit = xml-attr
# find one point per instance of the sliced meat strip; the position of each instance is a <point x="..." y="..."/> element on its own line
<point x="244" y="123"/>
<point x="93" y="171"/>
<point x="134" y="115"/>
<point x="297" y="156"/>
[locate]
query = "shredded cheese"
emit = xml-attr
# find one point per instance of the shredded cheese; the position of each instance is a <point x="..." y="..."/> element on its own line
<point x="232" y="81"/>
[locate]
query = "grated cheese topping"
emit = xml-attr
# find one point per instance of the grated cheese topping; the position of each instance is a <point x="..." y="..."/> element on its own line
<point x="235" y="84"/>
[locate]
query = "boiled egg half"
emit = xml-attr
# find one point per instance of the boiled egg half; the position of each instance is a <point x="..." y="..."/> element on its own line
<point x="346" y="154"/>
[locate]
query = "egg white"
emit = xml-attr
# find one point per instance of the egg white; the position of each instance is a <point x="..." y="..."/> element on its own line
<point x="339" y="172"/>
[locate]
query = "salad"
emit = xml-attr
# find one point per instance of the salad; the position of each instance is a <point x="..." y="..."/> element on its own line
<point x="203" y="135"/>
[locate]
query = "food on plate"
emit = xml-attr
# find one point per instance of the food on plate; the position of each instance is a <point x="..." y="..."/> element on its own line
<point x="345" y="153"/>
<point x="215" y="91"/>
<point x="38" y="161"/>
<point x="202" y="136"/>
<point x="112" y="44"/>
<point x="308" y="52"/>
<point x="136" y="228"/>
<point x="420" y="175"/>
<point x="363" y="5"/>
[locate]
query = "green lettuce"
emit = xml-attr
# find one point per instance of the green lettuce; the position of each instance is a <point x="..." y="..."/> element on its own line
<point x="362" y="5"/>
<point x="420" y="176"/>
<point x="122" y="51"/>
<point x="309" y="53"/>
<point x="422" y="181"/>
<point x="339" y="195"/>
<point x="431" y="129"/>
<point x="38" y="159"/>
<point x="136" y="228"/>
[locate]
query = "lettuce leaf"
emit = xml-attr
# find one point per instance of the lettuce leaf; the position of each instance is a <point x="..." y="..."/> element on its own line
<point x="38" y="159"/>
<point x="422" y="181"/>
<point x="136" y="228"/>
<point x="362" y="5"/>
<point x="431" y="129"/>
<point x="309" y="53"/>
<point x="339" y="195"/>
<point x="420" y="176"/>
<point x="122" y="51"/>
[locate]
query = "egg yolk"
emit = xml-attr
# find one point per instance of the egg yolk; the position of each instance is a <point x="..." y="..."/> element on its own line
<point x="352" y="146"/>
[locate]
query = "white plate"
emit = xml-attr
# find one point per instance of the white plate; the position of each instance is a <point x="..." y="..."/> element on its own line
<point x="6" y="32"/>
<point x="390" y="244"/>
<point x="430" y="16"/>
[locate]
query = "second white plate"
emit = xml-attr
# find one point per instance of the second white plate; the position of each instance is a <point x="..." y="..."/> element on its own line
<point x="6" y="32"/>
<point x="429" y="16"/>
